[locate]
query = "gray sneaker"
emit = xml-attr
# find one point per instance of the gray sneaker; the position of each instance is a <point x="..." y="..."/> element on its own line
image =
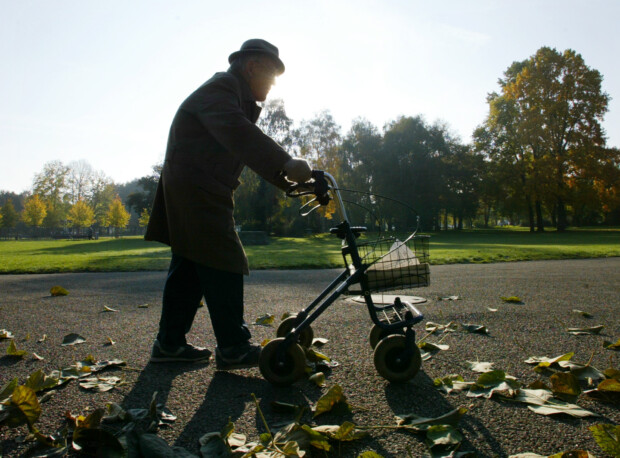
<point x="186" y="352"/>
<point x="241" y="356"/>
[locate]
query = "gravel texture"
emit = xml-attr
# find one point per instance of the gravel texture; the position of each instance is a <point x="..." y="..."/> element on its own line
<point x="204" y="399"/>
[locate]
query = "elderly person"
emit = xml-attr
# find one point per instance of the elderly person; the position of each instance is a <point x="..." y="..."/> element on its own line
<point x="211" y="140"/>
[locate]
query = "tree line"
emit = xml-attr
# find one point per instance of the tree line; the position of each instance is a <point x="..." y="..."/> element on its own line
<point x="539" y="159"/>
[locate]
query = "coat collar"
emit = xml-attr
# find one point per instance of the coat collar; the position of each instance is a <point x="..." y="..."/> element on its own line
<point x="248" y="101"/>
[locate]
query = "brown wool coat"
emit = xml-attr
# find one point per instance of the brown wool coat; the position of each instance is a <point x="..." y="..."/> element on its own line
<point x="211" y="139"/>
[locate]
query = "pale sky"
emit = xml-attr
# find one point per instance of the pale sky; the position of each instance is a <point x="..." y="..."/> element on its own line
<point x="101" y="80"/>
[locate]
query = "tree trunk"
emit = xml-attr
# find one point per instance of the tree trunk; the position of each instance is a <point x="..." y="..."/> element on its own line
<point x="540" y="225"/>
<point x="530" y="213"/>
<point x="562" y="222"/>
<point x="487" y="215"/>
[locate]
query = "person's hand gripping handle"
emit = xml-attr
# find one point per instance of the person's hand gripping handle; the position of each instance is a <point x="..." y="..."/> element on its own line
<point x="297" y="170"/>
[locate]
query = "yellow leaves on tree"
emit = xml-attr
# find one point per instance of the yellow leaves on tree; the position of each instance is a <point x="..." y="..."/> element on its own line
<point x="34" y="211"/>
<point x="81" y="214"/>
<point x="118" y="216"/>
<point x="144" y="218"/>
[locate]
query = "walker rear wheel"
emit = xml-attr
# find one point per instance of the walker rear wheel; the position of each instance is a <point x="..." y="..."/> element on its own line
<point x="394" y="361"/>
<point x="282" y="368"/>
<point x="377" y="333"/>
<point x="305" y="337"/>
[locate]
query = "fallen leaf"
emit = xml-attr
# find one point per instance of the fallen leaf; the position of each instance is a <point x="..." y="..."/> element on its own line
<point x="42" y="339"/>
<point x="490" y="382"/>
<point x="582" y="313"/>
<point x="581" y="371"/>
<point x="543" y="402"/>
<point x="443" y="440"/>
<point x="417" y="423"/>
<point x="611" y="345"/>
<point x="439" y="328"/>
<point x="23" y="408"/>
<point x="449" y="298"/>
<point x="584" y="331"/>
<point x="318" y="379"/>
<point x="607" y="437"/>
<point x="38" y="381"/>
<point x="327" y="402"/>
<point x="447" y="383"/>
<point x="37" y="357"/>
<point x="315" y="356"/>
<point x="58" y="291"/>
<point x="492" y="310"/>
<point x="72" y="339"/>
<point x="478" y="366"/>
<point x="543" y="363"/>
<point x="608" y="391"/>
<point x="475" y="328"/>
<point x="4" y="334"/>
<point x="110" y="341"/>
<point x="13" y="351"/>
<point x="511" y="299"/>
<point x="612" y="373"/>
<point x="319" y="341"/>
<point x="109" y="309"/>
<point x="345" y="432"/>
<point x="565" y="386"/>
<point x="7" y="389"/>
<point x="143" y="306"/>
<point x="100" y="384"/>
<point x="265" y="320"/>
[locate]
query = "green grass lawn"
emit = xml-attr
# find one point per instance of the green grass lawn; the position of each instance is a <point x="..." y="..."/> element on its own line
<point x="322" y="251"/>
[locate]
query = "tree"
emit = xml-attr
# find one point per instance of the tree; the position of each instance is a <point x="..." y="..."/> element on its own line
<point x="80" y="180"/>
<point x="319" y="140"/>
<point x="258" y="204"/>
<point x="34" y="211"/>
<point x="118" y="216"/>
<point x="51" y="185"/>
<point x="144" y="218"/>
<point x="103" y="193"/>
<point x="551" y="106"/>
<point x="139" y="201"/>
<point x="81" y="215"/>
<point x="409" y="169"/>
<point x="9" y="215"/>
<point x="275" y="123"/>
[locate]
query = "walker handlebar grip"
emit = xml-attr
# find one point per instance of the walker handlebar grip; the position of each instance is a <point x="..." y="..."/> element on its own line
<point x="318" y="187"/>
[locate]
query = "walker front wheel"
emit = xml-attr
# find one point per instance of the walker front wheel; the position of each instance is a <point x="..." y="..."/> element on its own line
<point x="377" y="333"/>
<point x="394" y="361"/>
<point x="282" y="366"/>
<point x="305" y="337"/>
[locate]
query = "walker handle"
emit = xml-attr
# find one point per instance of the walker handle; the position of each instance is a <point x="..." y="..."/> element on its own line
<point x="317" y="187"/>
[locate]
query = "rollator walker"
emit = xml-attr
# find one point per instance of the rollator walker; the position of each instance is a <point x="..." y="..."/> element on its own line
<point x="380" y="265"/>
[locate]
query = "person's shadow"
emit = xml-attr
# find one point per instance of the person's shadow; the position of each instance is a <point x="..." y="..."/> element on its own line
<point x="156" y="378"/>
<point x="227" y="398"/>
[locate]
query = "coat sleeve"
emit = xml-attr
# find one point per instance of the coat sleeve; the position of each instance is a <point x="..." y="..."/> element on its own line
<point x="218" y="109"/>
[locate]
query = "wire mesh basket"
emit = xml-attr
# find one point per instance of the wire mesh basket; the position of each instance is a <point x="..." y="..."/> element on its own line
<point x="394" y="264"/>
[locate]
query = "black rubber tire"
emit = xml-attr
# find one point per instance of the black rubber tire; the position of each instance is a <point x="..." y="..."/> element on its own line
<point x="377" y="333"/>
<point x="285" y="372"/>
<point x="389" y="362"/>
<point x="305" y="337"/>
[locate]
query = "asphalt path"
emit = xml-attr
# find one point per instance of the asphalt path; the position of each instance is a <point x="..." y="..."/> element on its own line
<point x="204" y="399"/>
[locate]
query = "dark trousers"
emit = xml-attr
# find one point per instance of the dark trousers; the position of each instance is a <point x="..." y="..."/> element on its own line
<point x="187" y="283"/>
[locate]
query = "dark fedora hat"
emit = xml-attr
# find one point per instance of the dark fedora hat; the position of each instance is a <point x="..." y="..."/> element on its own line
<point x="258" y="46"/>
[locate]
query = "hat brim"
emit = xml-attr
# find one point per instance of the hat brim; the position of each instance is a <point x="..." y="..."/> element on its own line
<point x="276" y="59"/>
